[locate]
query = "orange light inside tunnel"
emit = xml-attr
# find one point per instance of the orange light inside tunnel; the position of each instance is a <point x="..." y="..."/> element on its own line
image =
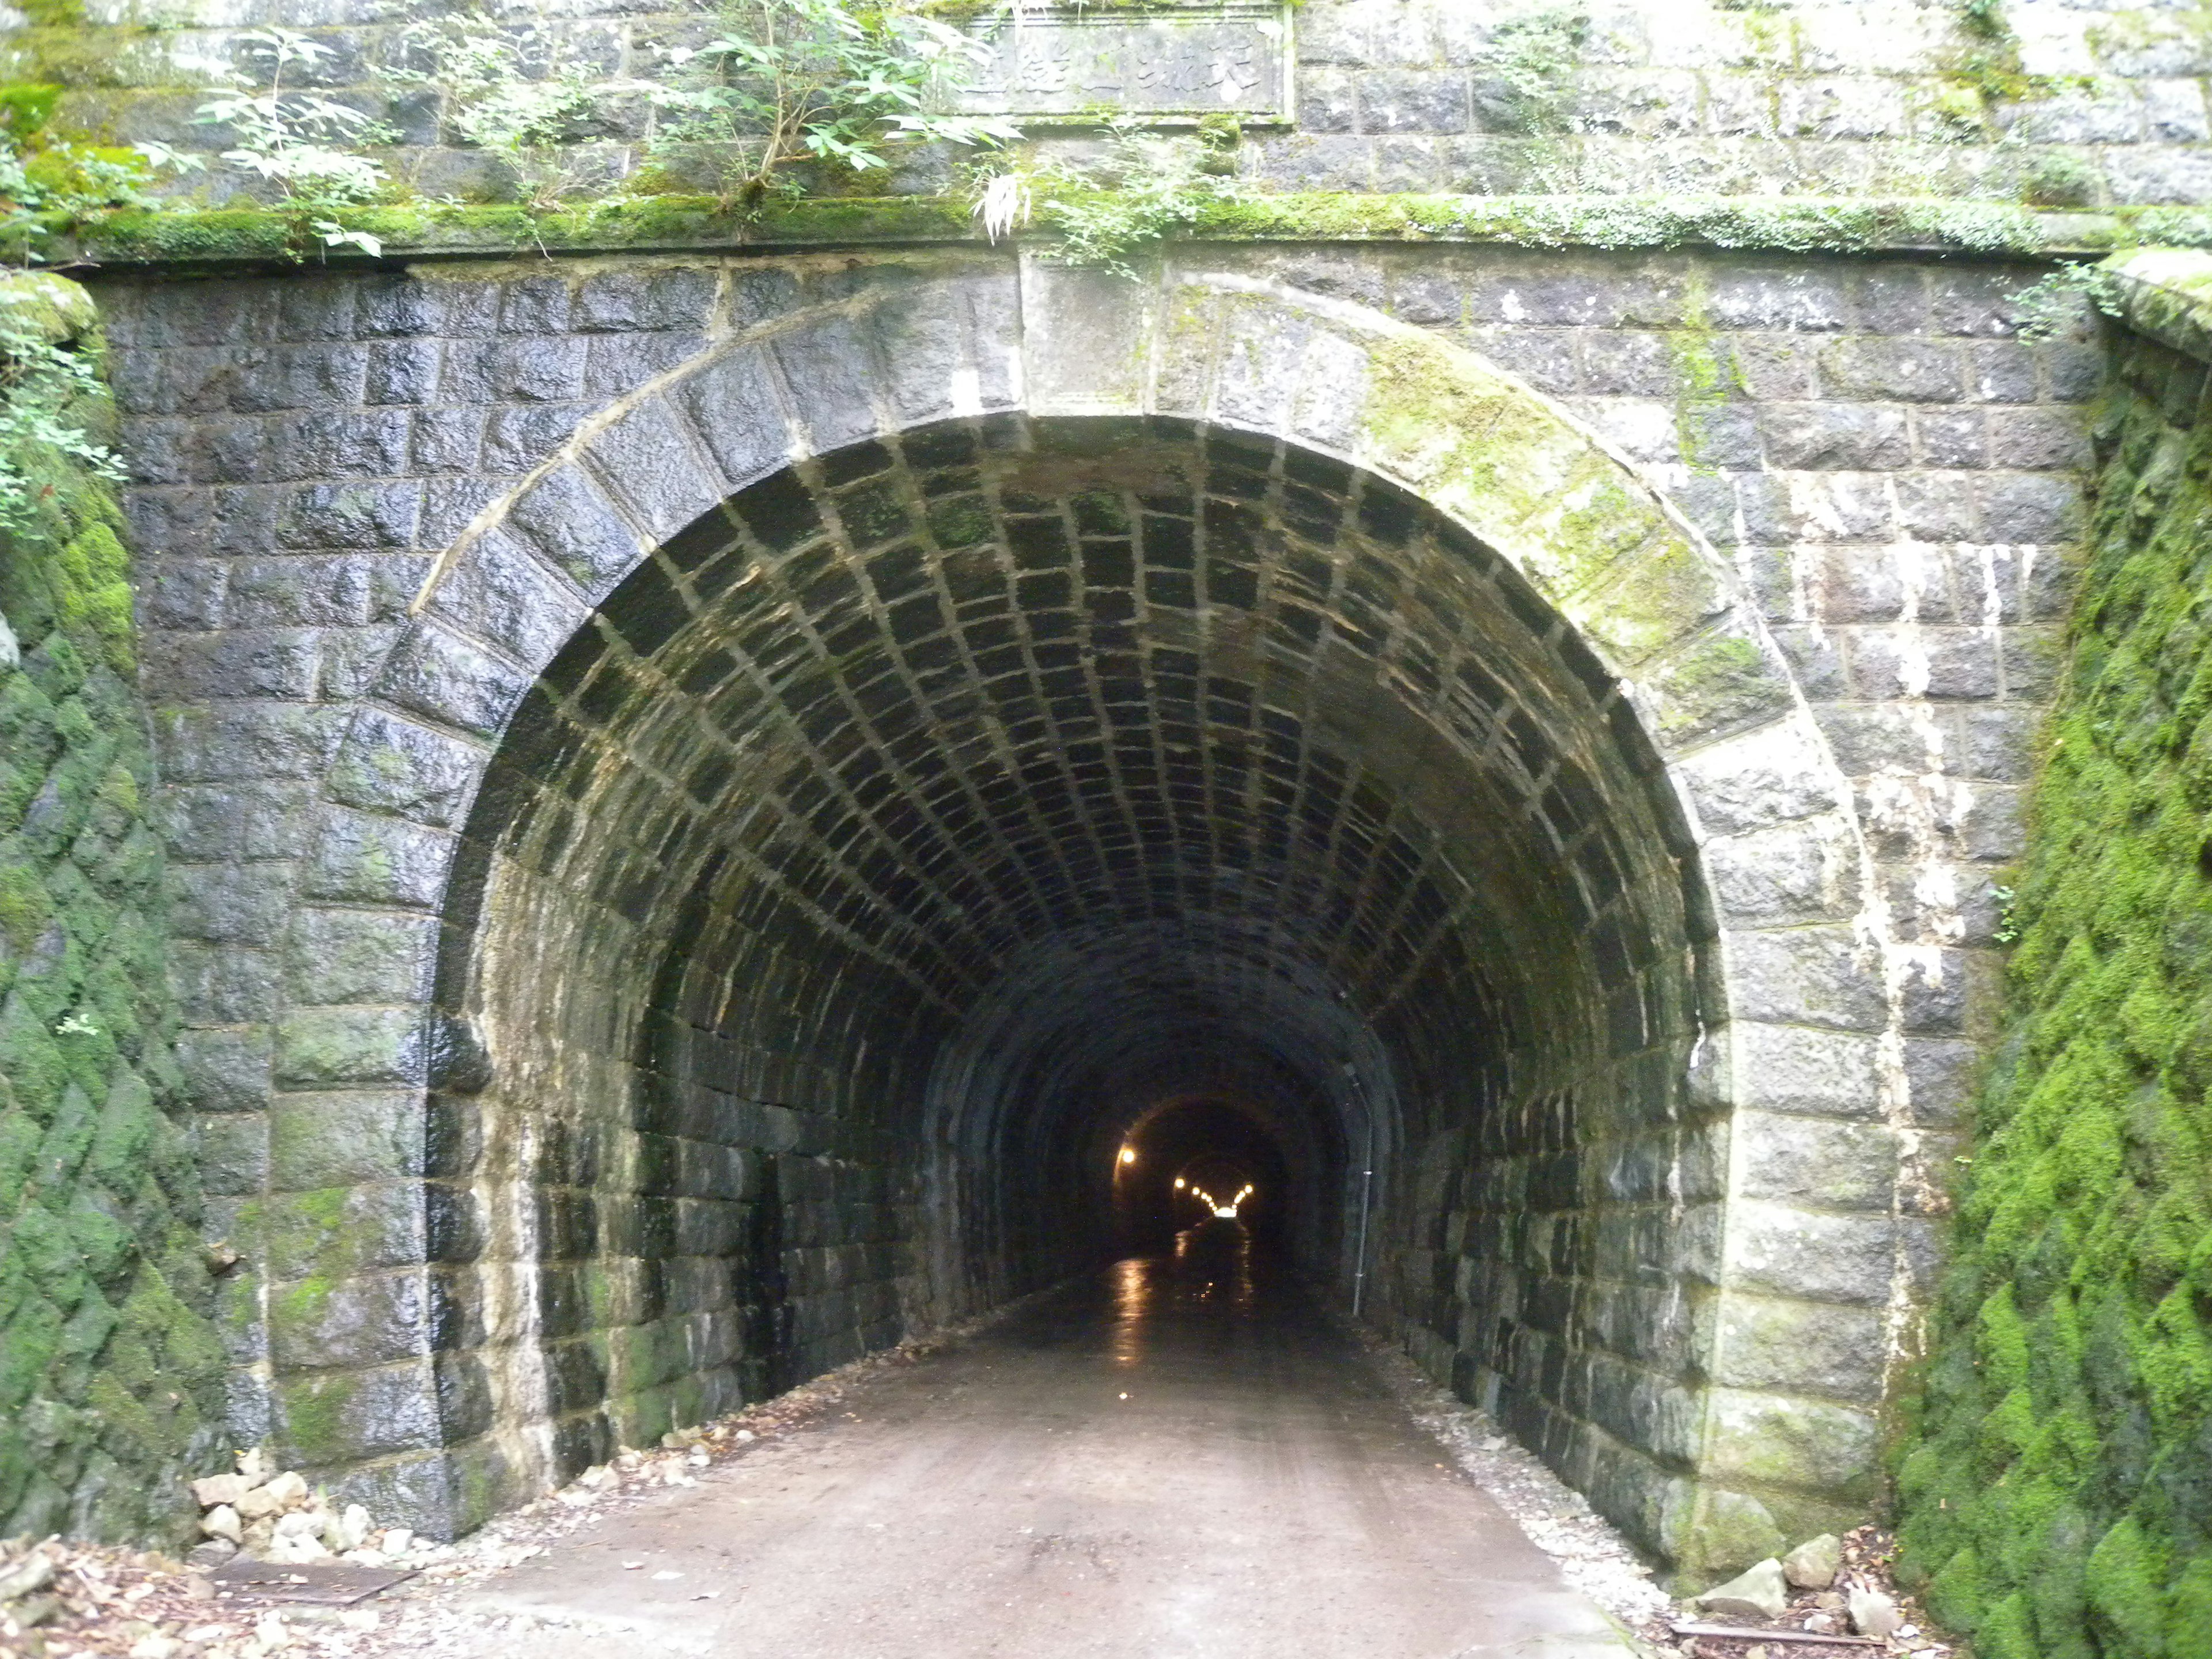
<point x="1128" y="1155"/>
<point x="1225" y="1212"/>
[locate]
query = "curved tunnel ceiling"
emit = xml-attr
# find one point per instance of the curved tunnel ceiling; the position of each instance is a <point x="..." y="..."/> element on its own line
<point x="1140" y="749"/>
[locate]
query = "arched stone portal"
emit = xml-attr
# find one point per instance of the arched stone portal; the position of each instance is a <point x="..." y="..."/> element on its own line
<point x="849" y="794"/>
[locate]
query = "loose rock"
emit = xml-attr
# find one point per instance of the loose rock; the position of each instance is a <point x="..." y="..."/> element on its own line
<point x="1815" y="1564"/>
<point x="1873" y="1613"/>
<point x="221" y="1490"/>
<point x="1759" y="1592"/>
<point x="34" y="1574"/>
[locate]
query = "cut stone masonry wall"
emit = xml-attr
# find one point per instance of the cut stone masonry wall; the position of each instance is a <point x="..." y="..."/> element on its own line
<point x="1874" y="455"/>
<point x="2085" y="105"/>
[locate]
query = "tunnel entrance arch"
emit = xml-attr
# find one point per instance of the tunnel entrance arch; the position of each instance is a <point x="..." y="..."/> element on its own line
<point x="1580" y="872"/>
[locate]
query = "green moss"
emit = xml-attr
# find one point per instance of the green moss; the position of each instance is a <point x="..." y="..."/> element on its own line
<point x="25" y="909"/>
<point x="2058" y="1496"/>
<point x="25" y="106"/>
<point x="317" y="1416"/>
<point x="261" y="236"/>
<point x="110" y="1371"/>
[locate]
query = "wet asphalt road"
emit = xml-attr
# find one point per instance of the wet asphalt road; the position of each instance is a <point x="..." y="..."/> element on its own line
<point x="1181" y="1461"/>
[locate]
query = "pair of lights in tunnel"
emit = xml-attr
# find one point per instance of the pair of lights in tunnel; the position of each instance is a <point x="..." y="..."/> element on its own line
<point x="1226" y="1212"/>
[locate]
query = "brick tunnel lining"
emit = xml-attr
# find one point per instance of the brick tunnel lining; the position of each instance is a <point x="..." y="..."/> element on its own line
<point x="900" y="831"/>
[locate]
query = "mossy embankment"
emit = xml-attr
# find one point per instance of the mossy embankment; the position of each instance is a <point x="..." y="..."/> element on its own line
<point x="110" y="1371"/>
<point x="2059" y="1495"/>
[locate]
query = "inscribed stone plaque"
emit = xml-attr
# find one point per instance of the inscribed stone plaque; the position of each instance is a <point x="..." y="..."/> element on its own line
<point x="1072" y="62"/>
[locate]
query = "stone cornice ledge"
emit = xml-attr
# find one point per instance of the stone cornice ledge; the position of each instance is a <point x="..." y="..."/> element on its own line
<point x="2165" y="293"/>
<point x="202" y="240"/>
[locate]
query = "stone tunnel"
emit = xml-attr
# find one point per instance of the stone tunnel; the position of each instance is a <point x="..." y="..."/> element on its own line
<point x="613" y="797"/>
<point x="918" y="725"/>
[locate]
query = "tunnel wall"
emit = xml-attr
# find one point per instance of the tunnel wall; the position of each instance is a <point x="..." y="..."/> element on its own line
<point x="1836" y="427"/>
<point x="2055" y="1492"/>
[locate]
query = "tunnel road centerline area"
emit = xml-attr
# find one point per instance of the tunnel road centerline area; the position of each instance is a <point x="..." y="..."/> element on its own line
<point x="1181" y="1458"/>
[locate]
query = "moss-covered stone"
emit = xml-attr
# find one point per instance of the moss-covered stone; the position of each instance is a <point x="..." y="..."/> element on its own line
<point x="233" y="236"/>
<point x="110" y="1371"/>
<point x="2056" y="1498"/>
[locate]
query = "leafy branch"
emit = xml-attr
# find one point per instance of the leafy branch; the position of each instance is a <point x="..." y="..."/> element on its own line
<point x="297" y="142"/>
<point x="530" y="123"/>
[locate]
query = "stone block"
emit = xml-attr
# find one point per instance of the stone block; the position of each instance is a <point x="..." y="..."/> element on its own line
<point x="2046" y="438"/>
<point x="1941" y="1074"/>
<point x="350" y="1138"/>
<point x="225" y="1071"/>
<point x="499" y="592"/>
<point x="1772" y="774"/>
<point x="1780" y="1250"/>
<point x="371" y="1320"/>
<point x="366" y="515"/>
<point x="1804" y="872"/>
<point x="1854" y="437"/>
<point x="1814" y="1162"/>
<point x="435" y="672"/>
<point x="646" y="461"/>
<point x="223" y="984"/>
<point x="271" y="664"/>
<point x="566" y="521"/>
<point x="827" y="373"/>
<point x="1772" y="1440"/>
<point x="364" y="1046"/>
<point x="230" y="1150"/>
<point x="331" y="1418"/>
<point x="339" y="1231"/>
<point x="381" y="861"/>
<point x="921" y="345"/>
<point x="391" y="765"/>
<point x="1776" y="1345"/>
<point x="1084" y="339"/>
<point x="228" y="903"/>
<point x="405" y="372"/>
<point x="1907" y="370"/>
<point x="346" y="956"/>
<point x="1412" y="101"/>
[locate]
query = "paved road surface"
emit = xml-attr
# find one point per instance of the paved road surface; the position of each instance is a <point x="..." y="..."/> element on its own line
<point x="1184" y="1462"/>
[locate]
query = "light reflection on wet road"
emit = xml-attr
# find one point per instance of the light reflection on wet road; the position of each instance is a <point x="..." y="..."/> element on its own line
<point x="1180" y="1458"/>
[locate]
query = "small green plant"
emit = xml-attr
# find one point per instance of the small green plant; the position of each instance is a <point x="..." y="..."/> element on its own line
<point x="2008" y="922"/>
<point x="1525" y="74"/>
<point x="301" y="144"/>
<point x="530" y="122"/>
<point x="2052" y="305"/>
<point x="1984" y="19"/>
<point x="46" y="180"/>
<point x="1990" y="63"/>
<point x="831" y="82"/>
<point x="1146" y="185"/>
<point x="39" y="383"/>
<point x="2059" y="180"/>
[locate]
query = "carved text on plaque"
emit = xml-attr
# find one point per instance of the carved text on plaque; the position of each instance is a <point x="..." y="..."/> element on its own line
<point x="1066" y="62"/>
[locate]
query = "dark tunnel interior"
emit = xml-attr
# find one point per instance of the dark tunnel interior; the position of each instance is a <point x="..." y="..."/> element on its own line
<point x="946" y="814"/>
<point x="1180" y="1152"/>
